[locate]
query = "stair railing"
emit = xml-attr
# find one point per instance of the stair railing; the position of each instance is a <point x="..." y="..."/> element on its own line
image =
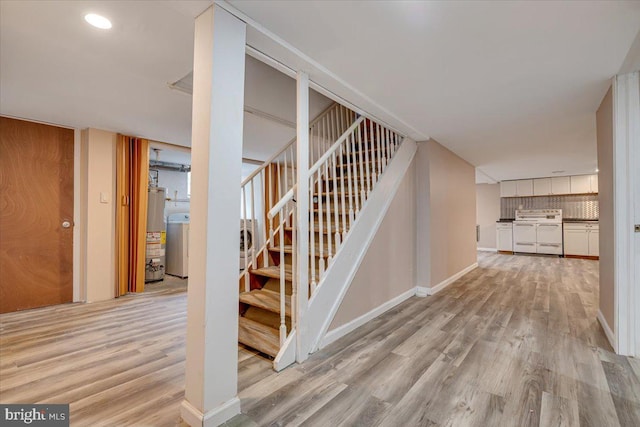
<point x="268" y="184"/>
<point x="340" y="183"/>
<point x="344" y="176"/>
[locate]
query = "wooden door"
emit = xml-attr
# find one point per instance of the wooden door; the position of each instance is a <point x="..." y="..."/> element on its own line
<point x="36" y="198"/>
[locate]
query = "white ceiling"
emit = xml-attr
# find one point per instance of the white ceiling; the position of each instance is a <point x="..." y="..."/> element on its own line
<point x="56" y="68"/>
<point x="512" y="87"/>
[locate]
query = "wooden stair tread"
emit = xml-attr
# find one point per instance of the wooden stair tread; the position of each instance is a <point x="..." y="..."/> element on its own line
<point x="288" y="249"/>
<point x="259" y="336"/>
<point x="273" y="272"/>
<point x="325" y="229"/>
<point x="266" y="299"/>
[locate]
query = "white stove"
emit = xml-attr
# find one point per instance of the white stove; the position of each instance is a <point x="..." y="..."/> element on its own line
<point x="538" y="231"/>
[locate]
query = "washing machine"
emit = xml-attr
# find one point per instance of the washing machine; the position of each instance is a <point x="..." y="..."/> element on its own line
<point x="178" y="245"/>
<point x="246" y="255"/>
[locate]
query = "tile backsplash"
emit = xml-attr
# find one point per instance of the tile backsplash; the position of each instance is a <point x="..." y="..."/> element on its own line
<point x="578" y="206"/>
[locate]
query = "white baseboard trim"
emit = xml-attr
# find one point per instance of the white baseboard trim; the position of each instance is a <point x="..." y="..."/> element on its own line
<point x="343" y="330"/>
<point x="223" y="413"/>
<point x="487" y="249"/>
<point x="607" y="331"/>
<point x="424" y="291"/>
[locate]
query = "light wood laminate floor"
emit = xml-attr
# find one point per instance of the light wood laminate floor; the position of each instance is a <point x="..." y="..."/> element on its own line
<point x="515" y="342"/>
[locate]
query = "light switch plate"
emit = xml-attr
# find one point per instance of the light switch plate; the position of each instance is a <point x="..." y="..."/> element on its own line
<point x="104" y="197"/>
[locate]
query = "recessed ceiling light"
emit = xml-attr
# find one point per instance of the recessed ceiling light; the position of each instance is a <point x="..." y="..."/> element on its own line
<point x="98" y="21"/>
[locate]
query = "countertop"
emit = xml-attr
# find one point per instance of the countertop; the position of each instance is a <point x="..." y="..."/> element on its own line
<point x="591" y="221"/>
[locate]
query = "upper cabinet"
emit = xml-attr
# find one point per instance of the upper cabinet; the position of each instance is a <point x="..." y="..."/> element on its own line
<point x="580" y="184"/>
<point x="508" y="189"/>
<point x="594" y="183"/>
<point x="519" y="188"/>
<point x="524" y="187"/>
<point x="561" y="185"/>
<point x="583" y="184"/>
<point x="542" y="187"/>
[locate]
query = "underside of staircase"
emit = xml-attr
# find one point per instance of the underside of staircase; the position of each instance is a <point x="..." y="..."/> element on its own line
<point x="260" y="307"/>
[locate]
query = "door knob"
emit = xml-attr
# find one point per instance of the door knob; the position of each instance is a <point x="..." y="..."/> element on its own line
<point x="66" y="224"/>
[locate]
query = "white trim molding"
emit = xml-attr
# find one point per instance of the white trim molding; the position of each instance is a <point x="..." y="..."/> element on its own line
<point x="340" y="331"/>
<point x="607" y="330"/>
<point x="487" y="249"/>
<point x="626" y="134"/>
<point x="423" y="291"/>
<point x="214" y="417"/>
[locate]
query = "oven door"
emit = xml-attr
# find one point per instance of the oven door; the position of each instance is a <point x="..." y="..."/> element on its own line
<point x="549" y="233"/>
<point x="524" y="237"/>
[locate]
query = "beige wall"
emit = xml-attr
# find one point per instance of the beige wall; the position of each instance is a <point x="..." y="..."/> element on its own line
<point x="388" y="268"/>
<point x="446" y="192"/>
<point x="604" y="123"/>
<point x="98" y="219"/>
<point x="487" y="213"/>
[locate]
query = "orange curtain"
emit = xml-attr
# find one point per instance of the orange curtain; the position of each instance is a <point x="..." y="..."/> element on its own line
<point x="132" y="185"/>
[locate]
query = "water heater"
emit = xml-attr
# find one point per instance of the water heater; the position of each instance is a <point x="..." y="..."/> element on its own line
<point x="156" y="235"/>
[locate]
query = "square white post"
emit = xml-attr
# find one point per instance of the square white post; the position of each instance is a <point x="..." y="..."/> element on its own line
<point x="212" y="307"/>
<point x="302" y="163"/>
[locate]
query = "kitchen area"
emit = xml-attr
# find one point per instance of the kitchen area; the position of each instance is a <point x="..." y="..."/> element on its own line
<point x="549" y="216"/>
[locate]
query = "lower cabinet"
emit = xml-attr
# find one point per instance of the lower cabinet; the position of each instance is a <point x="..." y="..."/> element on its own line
<point x="581" y="239"/>
<point x="504" y="236"/>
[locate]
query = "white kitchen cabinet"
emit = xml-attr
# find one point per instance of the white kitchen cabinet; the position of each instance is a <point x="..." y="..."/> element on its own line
<point x="580" y="184"/>
<point x="581" y="239"/>
<point x="524" y="187"/>
<point x="542" y="186"/>
<point x="557" y="185"/>
<point x="508" y="189"/>
<point x="594" y="183"/>
<point x="504" y="236"/>
<point x="560" y="185"/>
<point x="594" y="242"/>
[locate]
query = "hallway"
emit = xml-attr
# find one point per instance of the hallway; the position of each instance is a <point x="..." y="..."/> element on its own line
<point x="515" y="342"/>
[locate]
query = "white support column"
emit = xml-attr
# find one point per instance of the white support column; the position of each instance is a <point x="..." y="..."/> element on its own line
<point x="212" y="305"/>
<point x="302" y="161"/>
<point x="626" y="113"/>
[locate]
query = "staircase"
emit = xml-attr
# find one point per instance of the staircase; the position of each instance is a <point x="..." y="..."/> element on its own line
<point x="349" y="155"/>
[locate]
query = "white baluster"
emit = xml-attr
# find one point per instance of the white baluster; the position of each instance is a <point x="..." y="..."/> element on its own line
<point x="247" y="286"/>
<point x="335" y="201"/>
<point x="294" y="269"/>
<point x="312" y="234"/>
<point x="375" y="172"/>
<point x="363" y="185"/>
<point x="321" y="225"/>
<point x="265" y="261"/>
<point x="343" y="202"/>
<point x="388" y="143"/>
<point x="253" y="225"/>
<point x="283" y="324"/>
<point x="328" y="205"/>
<point x="366" y="157"/>
<point x="349" y="188"/>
